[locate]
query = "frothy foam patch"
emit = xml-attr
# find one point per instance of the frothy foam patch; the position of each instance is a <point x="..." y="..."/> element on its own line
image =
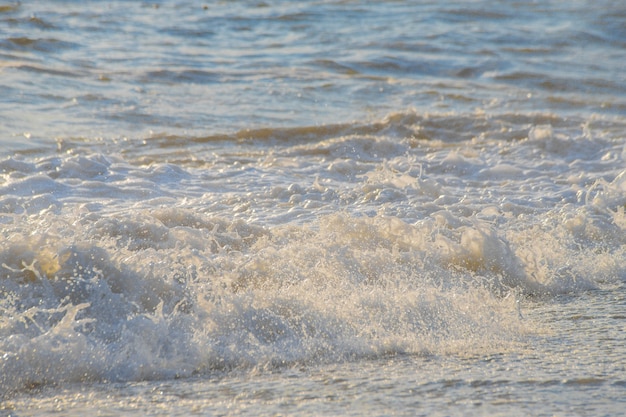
<point x="180" y="293"/>
<point x="345" y="242"/>
<point x="171" y="292"/>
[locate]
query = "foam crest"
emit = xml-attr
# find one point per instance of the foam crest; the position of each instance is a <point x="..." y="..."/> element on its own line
<point x="184" y="293"/>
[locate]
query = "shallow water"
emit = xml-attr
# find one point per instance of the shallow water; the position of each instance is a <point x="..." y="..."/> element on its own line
<point x="312" y="208"/>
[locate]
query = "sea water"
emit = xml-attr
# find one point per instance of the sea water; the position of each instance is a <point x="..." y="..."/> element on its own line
<point x="312" y="208"/>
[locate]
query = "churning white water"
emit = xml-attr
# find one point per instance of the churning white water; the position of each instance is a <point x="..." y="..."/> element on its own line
<point x="312" y="208"/>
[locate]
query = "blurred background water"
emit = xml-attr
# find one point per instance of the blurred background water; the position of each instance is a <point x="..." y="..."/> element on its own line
<point x="125" y="69"/>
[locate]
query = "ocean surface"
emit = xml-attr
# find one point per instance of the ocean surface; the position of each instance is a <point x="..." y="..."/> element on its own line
<point x="313" y="208"/>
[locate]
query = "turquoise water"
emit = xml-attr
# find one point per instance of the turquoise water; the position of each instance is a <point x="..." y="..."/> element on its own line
<point x="312" y="208"/>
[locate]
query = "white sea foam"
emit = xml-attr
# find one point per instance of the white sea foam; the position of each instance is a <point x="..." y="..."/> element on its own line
<point x="382" y="207"/>
<point x="351" y="242"/>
